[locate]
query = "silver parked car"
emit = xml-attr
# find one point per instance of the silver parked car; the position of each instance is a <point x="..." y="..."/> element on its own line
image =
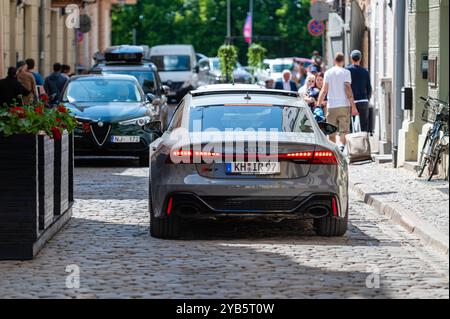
<point x="241" y="151"/>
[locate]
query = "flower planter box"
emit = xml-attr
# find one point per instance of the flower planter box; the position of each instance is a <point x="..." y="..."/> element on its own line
<point x="61" y="174"/>
<point x="27" y="214"/>
<point x="46" y="163"/>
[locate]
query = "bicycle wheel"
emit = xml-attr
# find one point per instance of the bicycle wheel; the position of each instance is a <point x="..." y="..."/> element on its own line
<point x="423" y="154"/>
<point x="434" y="162"/>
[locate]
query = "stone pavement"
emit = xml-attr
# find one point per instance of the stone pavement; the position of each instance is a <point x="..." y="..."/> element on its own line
<point x="108" y="240"/>
<point x="427" y="202"/>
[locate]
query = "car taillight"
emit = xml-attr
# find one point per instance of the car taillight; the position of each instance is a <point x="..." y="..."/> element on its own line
<point x="324" y="157"/>
<point x="188" y="157"/>
<point x="317" y="157"/>
<point x="307" y="157"/>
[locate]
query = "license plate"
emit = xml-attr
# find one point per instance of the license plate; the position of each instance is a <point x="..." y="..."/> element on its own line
<point x="125" y="139"/>
<point x="253" y="168"/>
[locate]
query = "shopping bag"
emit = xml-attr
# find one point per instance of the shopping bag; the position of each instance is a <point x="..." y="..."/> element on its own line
<point x="358" y="143"/>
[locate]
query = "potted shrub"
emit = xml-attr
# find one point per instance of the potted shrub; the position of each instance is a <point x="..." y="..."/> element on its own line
<point x="28" y="134"/>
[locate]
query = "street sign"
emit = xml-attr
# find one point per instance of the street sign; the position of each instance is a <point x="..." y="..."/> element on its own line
<point x="316" y="28"/>
<point x="319" y="11"/>
<point x="85" y="23"/>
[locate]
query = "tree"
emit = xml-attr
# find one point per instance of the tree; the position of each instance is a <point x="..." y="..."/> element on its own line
<point x="278" y="25"/>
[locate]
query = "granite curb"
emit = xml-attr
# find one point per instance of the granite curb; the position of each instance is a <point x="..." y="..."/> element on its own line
<point x="429" y="235"/>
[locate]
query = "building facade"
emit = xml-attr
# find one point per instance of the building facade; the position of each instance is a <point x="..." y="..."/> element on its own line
<point x="405" y="45"/>
<point x="37" y="29"/>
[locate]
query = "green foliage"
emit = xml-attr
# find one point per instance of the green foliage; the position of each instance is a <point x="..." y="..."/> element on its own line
<point x="34" y="119"/>
<point x="228" y="55"/>
<point x="255" y="55"/>
<point x="278" y="25"/>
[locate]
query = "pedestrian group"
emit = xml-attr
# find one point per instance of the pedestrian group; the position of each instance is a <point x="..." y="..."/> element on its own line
<point x="336" y="96"/>
<point x="23" y="85"/>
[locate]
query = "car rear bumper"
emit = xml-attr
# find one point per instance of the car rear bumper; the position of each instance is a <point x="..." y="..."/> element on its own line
<point x="237" y="197"/>
<point x="189" y="205"/>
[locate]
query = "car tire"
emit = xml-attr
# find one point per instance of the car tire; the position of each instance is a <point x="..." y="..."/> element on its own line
<point x="330" y="226"/>
<point x="144" y="160"/>
<point x="165" y="228"/>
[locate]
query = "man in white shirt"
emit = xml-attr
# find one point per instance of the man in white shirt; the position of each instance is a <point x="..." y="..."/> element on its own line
<point x="341" y="104"/>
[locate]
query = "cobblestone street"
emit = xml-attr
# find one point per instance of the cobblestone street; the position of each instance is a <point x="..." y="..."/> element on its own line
<point x="108" y="239"/>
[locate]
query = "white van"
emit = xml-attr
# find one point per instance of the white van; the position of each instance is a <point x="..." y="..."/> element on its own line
<point x="177" y="66"/>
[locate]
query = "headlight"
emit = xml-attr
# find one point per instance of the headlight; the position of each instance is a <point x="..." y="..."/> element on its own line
<point x="139" y="121"/>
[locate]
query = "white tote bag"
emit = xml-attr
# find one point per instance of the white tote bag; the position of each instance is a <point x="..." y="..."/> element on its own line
<point x="358" y="143"/>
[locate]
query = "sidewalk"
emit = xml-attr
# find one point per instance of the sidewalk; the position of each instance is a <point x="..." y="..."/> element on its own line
<point x="419" y="206"/>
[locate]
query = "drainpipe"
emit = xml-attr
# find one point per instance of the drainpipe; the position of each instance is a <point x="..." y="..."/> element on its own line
<point x="42" y="37"/>
<point x="399" y="74"/>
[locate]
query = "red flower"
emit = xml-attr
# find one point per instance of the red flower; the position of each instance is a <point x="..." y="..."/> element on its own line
<point x="39" y="110"/>
<point x="44" y="97"/>
<point x="58" y="120"/>
<point x="62" y="109"/>
<point x="56" y="132"/>
<point x="18" y="111"/>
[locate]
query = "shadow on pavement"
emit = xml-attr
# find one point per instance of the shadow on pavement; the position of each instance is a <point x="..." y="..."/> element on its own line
<point x="122" y="260"/>
<point x="93" y="161"/>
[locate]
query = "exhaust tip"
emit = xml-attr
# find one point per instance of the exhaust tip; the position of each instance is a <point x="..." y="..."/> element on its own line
<point x="318" y="211"/>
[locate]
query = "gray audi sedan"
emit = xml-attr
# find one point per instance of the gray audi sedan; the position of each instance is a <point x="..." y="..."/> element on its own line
<point x="242" y="151"/>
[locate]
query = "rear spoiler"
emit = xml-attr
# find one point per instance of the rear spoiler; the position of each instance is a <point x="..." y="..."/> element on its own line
<point x="248" y="92"/>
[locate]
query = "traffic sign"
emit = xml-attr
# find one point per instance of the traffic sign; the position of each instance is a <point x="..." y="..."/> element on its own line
<point x="316" y="28"/>
<point x="319" y="10"/>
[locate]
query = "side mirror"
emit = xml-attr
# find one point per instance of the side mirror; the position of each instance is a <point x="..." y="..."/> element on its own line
<point x="154" y="127"/>
<point x="165" y="90"/>
<point x="327" y="129"/>
<point x="196" y="69"/>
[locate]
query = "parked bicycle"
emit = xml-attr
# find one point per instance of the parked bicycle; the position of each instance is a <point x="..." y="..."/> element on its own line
<point x="436" y="143"/>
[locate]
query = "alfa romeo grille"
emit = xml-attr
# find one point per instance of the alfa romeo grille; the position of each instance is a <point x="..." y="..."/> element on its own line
<point x="100" y="132"/>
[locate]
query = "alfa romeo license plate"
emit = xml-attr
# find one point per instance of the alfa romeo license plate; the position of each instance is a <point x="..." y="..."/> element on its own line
<point x="253" y="168"/>
<point x="125" y="139"/>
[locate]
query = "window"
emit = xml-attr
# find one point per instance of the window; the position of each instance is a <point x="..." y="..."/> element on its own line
<point x="177" y="117"/>
<point x="145" y="78"/>
<point x="279" y="118"/>
<point x="101" y="90"/>
<point x="433" y="72"/>
<point x="172" y="62"/>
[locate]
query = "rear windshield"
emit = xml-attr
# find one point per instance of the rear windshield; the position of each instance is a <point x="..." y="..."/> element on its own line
<point x="172" y="62"/>
<point x="145" y="78"/>
<point x="223" y="117"/>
